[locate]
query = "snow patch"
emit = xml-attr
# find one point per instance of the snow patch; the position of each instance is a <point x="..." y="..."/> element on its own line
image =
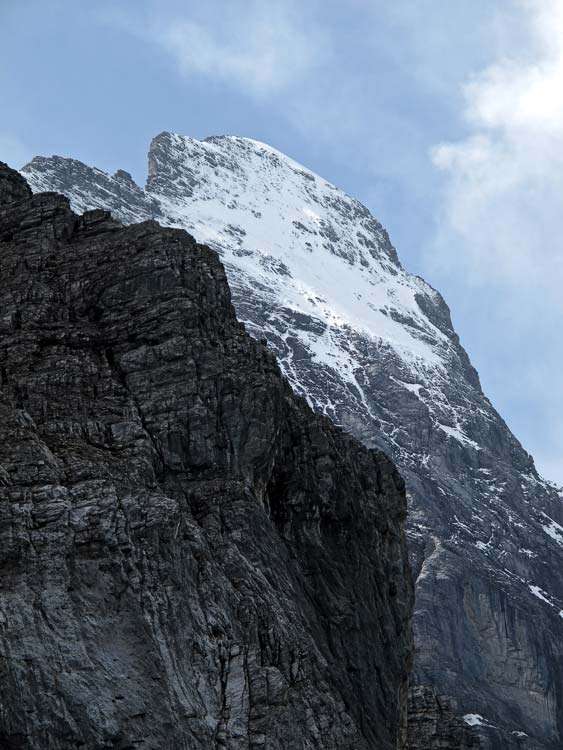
<point x="476" y="720"/>
<point x="541" y="594"/>
<point x="553" y="530"/>
<point x="457" y="434"/>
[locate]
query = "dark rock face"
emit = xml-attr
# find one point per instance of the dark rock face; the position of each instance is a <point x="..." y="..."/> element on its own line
<point x="434" y="723"/>
<point x="117" y="193"/>
<point x="12" y="187"/>
<point x="373" y="347"/>
<point x="190" y="557"/>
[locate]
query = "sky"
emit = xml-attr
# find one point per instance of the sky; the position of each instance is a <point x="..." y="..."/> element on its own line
<point x="444" y="117"/>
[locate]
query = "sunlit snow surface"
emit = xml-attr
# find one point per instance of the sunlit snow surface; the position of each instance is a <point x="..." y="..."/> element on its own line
<point x="325" y="265"/>
<point x="320" y="251"/>
<point x="322" y="263"/>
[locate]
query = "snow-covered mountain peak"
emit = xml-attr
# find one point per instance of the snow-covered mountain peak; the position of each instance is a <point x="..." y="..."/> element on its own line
<point x="247" y="176"/>
<point x="319" y="251"/>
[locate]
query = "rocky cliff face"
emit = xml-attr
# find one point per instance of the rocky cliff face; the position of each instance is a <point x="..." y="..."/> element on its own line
<point x="373" y="347"/>
<point x="434" y="722"/>
<point x="190" y="557"/>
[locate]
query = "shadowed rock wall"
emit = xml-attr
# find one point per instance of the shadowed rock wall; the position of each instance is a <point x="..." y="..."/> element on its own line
<point x="189" y="557"/>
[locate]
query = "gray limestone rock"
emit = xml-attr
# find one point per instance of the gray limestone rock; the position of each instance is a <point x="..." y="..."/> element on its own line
<point x="189" y="556"/>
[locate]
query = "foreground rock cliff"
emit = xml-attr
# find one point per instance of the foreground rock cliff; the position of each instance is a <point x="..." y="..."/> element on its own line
<point x="190" y="557"/>
<point x="373" y="347"/>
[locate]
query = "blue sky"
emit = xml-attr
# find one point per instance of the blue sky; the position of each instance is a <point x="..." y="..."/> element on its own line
<point x="444" y="117"/>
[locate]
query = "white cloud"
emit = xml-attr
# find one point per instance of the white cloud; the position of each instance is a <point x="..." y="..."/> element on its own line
<point x="504" y="182"/>
<point x="500" y="224"/>
<point x="13" y="151"/>
<point x="262" y="48"/>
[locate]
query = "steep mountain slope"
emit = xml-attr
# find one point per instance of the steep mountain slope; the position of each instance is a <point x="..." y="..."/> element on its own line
<point x="190" y="557"/>
<point x="373" y="347"/>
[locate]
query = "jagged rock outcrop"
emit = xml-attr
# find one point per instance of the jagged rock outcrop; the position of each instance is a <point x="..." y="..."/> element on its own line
<point x="189" y="556"/>
<point x="435" y="723"/>
<point x="373" y="347"/>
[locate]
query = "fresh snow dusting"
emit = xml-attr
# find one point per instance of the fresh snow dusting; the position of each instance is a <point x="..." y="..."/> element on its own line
<point x="318" y="257"/>
<point x="315" y="253"/>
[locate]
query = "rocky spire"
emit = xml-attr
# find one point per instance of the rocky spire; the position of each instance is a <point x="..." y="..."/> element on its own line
<point x="13" y="187"/>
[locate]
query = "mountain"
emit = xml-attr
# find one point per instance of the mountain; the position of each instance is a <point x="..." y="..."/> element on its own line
<point x="190" y="556"/>
<point x="371" y="346"/>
